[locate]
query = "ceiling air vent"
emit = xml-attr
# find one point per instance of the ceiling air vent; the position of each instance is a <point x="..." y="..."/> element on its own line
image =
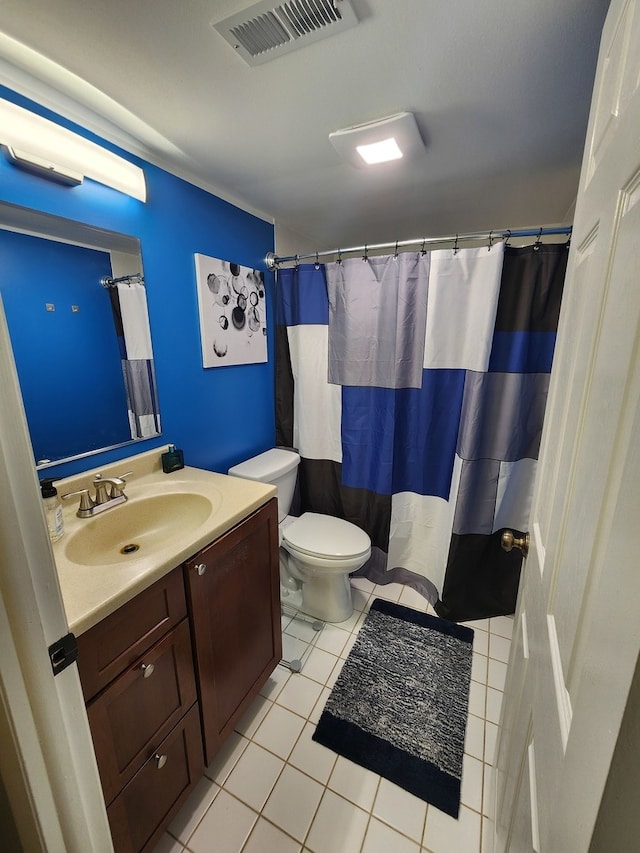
<point x="264" y="31"/>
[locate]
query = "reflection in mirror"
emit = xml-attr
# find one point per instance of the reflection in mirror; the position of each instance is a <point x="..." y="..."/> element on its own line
<point x="81" y="340"/>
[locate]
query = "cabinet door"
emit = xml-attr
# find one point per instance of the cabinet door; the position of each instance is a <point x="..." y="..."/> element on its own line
<point x="234" y="601"/>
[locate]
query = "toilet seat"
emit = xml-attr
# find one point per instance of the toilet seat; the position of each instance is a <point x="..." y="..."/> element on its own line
<point x="323" y="536"/>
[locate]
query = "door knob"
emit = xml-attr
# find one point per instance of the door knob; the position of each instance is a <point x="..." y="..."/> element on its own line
<point x="509" y="541"/>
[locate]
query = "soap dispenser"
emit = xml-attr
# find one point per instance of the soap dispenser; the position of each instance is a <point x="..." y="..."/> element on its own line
<point x="52" y="510"/>
<point x="172" y="459"/>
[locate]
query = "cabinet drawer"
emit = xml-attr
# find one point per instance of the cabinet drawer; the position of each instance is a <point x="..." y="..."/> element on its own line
<point x="112" y="645"/>
<point x="139" y="814"/>
<point x="141" y="707"/>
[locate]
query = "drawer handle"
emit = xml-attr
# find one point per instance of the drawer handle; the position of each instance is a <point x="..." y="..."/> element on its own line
<point x="147" y="669"/>
<point x="161" y="760"/>
<point x="200" y="568"/>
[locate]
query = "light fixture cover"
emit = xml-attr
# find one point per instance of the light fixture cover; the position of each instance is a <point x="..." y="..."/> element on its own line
<point x="39" y="141"/>
<point x="43" y="168"/>
<point x="380" y="152"/>
<point x="401" y="127"/>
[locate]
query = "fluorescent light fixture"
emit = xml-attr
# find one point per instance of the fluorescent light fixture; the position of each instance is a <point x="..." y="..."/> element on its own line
<point x="46" y="148"/>
<point x="43" y="168"/>
<point x="380" y="152"/>
<point x="390" y="138"/>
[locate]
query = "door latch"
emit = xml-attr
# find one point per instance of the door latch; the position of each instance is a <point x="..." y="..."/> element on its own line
<point x="63" y="653"/>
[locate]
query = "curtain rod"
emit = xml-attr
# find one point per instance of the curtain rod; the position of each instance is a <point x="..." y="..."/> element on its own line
<point x="135" y="278"/>
<point x="272" y="260"/>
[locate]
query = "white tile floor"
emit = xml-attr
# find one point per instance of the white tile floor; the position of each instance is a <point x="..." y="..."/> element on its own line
<point x="274" y="790"/>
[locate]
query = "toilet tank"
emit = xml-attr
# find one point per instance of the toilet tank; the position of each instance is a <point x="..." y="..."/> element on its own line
<point x="277" y="467"/>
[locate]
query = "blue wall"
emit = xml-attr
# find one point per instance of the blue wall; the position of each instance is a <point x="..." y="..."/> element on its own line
<point x="217" y="415"/>
<point x="68" y="412"/>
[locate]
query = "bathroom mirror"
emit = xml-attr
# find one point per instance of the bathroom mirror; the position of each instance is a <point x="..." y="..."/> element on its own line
<point x="81" y="340"/>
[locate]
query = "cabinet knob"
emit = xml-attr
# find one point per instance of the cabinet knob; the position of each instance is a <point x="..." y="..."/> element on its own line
<point x="147" y="669"/>
<point x="200" y="568"/>
<point x="161" y="760"/>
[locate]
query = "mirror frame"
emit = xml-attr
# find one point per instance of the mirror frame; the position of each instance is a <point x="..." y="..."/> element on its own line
<point x="57" y="228"/>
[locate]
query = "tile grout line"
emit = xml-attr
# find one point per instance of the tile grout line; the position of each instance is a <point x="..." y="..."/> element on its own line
<point x="324" y="685"/>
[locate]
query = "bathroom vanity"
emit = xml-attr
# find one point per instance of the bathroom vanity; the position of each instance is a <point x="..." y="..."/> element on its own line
<point x="181" y="645"/>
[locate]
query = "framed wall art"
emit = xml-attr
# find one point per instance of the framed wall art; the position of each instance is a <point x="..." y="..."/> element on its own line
<point x="233" y="313"/>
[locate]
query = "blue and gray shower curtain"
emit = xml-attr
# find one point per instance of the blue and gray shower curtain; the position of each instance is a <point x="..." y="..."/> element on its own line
<point x="414" y="388"/>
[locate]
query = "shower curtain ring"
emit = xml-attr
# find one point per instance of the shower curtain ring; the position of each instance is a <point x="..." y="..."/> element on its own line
<point x="395" y="255"/>
<point x="339" y="261"/>
<point x="490" y="241"/>
<point x="456" y="248"/>
<point x="365" y="257"/>
<point x="507" y="237"/>
<point x="317" y="263"/>
<point x="536" y="245"/>
<point x="423" y="251"/>
<point x="297" y="263"/>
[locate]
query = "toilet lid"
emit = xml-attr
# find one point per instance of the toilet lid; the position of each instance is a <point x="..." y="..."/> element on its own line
<point x="313" y="533"/>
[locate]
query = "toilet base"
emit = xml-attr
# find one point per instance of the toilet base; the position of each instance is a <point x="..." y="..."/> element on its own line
<point x="328" y="599"/>
<point x="337" y="616"/>
<point x="325" y="596"/>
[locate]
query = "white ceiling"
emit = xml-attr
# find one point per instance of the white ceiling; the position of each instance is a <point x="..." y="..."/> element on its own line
<point x="501" y="92"/>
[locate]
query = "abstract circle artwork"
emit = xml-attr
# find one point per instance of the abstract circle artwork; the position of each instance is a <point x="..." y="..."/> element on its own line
<point x="233" y="316"/>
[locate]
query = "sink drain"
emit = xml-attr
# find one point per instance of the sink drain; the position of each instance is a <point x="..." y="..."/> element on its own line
<point x="129" y="549"/>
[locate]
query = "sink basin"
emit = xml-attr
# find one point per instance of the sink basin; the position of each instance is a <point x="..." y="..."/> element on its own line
<point x="137" y="528"/>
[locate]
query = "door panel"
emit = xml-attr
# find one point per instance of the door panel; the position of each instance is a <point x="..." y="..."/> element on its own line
<point x="581" y="304"/>
<point x="526" y="832"/>
<point x="564" y="702"/>
<point x="606" y="400"/>
<point x="511" y="725"/>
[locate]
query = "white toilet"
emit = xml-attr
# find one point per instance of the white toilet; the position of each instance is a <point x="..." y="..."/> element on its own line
<point x="317" y="552"/>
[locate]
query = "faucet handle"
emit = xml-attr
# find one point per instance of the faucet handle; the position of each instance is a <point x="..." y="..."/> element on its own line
<point x="117" y="484"/>
<point x="86" y="504"/>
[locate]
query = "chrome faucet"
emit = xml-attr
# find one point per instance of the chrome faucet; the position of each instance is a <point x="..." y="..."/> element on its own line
<point x="109" y="493"/>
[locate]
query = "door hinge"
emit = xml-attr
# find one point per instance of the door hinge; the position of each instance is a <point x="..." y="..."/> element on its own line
<point x="62" y="653"/>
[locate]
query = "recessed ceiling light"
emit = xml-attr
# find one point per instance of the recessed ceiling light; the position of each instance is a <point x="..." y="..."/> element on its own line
<point x="390" y="138"/>
<point x="380" y="152"/>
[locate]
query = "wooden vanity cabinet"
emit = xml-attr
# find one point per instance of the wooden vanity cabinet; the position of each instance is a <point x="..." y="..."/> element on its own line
<point x="136" y="669"/>
<point x="233" y="597"/>
<point x="176" y="666"/>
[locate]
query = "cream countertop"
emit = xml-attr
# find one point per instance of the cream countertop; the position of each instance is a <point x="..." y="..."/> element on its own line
<point x="91" y="592"/>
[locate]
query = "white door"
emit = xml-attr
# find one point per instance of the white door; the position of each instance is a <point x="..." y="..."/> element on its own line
<point x="47" y="763"/>
<point x="577" y="631"/>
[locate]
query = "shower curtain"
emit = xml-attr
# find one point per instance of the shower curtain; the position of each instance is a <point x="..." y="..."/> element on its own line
<point x="129" y="306"/>
<point x="414" y="388"/>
